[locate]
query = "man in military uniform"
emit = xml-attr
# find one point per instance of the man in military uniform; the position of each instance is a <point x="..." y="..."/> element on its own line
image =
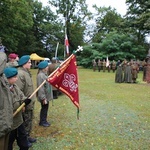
<point x="51" y="68"/>
<point x="99" y="65"/>
<point x="104" y="65"/>
<point x="144" y="66"/>
<point x="147" y="75"/>
<point x="26" y="86"/>
<point x="134" y="71"/>
<point x="18" y="132"/>
<point x="6" y="106"/>
<point x="113" y="66"/>
<point x="94" y="65"/>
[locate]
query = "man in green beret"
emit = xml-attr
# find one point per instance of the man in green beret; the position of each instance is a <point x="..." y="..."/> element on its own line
<point x="26" y="86"/>
<point x="18" y="132"/>
<point x="44" y="94"/>
<point x="6" y="106"/>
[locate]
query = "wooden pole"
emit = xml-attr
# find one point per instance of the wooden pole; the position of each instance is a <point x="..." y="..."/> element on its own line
<point x="23" y="104"/>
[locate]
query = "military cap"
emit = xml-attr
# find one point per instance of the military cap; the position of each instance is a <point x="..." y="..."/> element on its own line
<point x="42" y="64"/>
<point x="23" y="60"/>
<point x="10" y="72"/>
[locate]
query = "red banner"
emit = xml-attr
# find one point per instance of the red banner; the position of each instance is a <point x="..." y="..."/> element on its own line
<point x="65" y="79"/>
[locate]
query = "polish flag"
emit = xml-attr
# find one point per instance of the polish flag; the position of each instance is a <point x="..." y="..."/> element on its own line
<point x="67" y="45"/>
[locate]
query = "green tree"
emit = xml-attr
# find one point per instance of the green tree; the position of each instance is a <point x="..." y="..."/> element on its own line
<point x="74" y="14"/>
<point x="138" y="18"/>
<point x="107" y="20"/>
<point x="117" y="46"/>
<point x="43" y="36"/>
<point x="15" y="21"/>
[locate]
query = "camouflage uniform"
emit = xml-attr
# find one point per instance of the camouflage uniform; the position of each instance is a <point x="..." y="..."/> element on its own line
<point x="12" y="64"/>
<point x="26" y="86"/>
<point x="99" y="65"/>
<point x="134" y="72"/>
<point x="113" y="66"/>
<point x="104" y="65"/>
<point x="6" y="106"/>
<point x="18" y="131"/>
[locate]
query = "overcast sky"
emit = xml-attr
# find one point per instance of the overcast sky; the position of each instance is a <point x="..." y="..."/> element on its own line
<point x="119" y="5"/>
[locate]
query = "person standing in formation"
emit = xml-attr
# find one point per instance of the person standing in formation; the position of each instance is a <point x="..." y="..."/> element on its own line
<point x="113" y="66"/>
<point x="127" y="73"/>
<point x="119" y="74"/>
<point x="44" y="94"/>
<point x="6" y="105"/>
<point x="12" y="60"/>
<point x="134" y="71"/>
<point x="104" y="65"/>
<point x="25" y="84"/>
<point x="94" y="65"/>
<point x="124" y="64"/>
<point x="51" y="68"/>
<point x="18" y="131"/>
<point x="147" y="73"/>
<point x="144" y="65"/>
<point x="99" y="65"/>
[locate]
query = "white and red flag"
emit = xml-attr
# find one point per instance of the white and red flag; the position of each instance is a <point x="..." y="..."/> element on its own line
<point x="107" y="62"/>
<point x="67" y="45"/>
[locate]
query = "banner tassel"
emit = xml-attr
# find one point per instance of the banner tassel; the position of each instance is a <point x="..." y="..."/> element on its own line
<point x="78" y="113"/>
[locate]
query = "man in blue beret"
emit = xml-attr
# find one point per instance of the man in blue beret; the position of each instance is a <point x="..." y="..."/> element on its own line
<point x="6" y="106"/>
<point x="25" y="84"/>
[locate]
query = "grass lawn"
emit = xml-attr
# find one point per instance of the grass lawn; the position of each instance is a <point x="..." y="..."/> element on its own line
<point x="113" y="116"/>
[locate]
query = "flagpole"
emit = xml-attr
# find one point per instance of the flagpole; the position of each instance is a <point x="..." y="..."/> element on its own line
<point x="65" y="25"/>
<point x="65" y="41"/>
<point x="23" y="104"/>
<point x="56" y="49"/>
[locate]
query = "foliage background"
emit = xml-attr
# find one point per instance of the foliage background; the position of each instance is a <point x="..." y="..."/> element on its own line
<point x="27" y="26"/>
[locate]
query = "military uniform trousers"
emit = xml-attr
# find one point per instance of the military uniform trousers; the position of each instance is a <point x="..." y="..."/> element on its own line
<point x="4" y="142"/>
<point x="43" y="113"/>
<point x="28" y="116"/>
<point x="20" y="136"/>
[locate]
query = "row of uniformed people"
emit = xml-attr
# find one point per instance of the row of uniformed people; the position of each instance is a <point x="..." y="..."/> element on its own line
<point x="127" y="73"/>
<point x="102" y="65"/>
<point x="13" y="91"/>
<point x="13" y="62"/>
